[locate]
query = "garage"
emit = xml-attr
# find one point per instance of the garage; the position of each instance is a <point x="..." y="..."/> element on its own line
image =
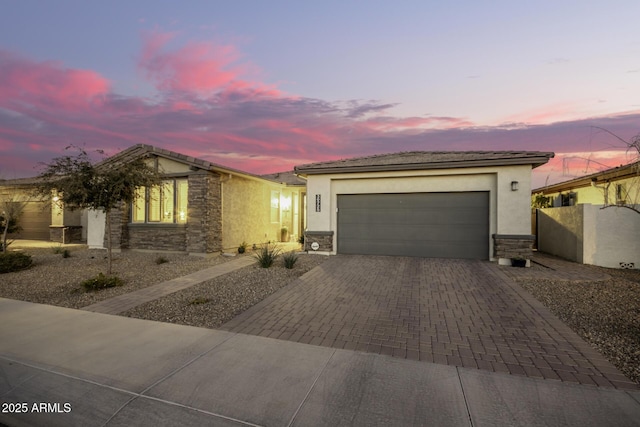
<point x="35" y="221"/>
<point x="438" y="224"/>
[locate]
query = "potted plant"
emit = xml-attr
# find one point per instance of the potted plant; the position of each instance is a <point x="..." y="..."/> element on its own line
<point x="284" y="234"/>
<point x="242" y="248"/>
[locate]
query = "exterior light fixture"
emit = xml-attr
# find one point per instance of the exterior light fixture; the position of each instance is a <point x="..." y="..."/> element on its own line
<point x="514" y="185"/>
<point x="56" y="198"/>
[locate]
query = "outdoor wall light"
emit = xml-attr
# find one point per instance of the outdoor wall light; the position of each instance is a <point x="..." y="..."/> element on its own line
<point x="514" y="185"/>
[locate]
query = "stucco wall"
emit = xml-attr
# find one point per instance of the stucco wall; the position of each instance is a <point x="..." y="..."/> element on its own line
<point x="246" y="211"/>
<point x="510" y="210"/>
<point x="590" y="234"/>
<point x="596" y="194"/>
<point x="610" y="236"/>
<point x="560" y="232"/>
<point x="95" y="229"/>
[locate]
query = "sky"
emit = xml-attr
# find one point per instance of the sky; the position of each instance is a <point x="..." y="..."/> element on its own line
<point x="263" y="86"/>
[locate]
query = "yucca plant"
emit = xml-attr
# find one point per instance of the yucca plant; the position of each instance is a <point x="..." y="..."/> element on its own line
<point x="290" y="259"/>
<point x="267" y="255"/>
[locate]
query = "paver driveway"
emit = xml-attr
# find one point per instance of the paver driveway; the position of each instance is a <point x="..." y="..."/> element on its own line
<point x="456" y="312"/>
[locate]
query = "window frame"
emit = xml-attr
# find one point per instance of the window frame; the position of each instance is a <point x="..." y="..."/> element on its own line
<point x="175" y="185"/>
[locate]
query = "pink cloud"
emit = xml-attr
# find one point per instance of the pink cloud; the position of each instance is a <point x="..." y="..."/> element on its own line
<point x="48" y="84"/>
<point x="207" y="107"/>
<point x="197" y="67"/>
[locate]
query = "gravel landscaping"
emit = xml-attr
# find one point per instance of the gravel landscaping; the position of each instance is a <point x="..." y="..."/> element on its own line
<point x="55" y="280"/>
<point x="212" y="303"/>
<point x="605" y="313"/>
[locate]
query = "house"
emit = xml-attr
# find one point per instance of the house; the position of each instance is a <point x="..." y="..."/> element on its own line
<point x="429" y="204"/>
<point x="595" y="219"/>
<point x="615" y="186"/>
<point x="36" y="215"/>
<point x="199" y="208"/>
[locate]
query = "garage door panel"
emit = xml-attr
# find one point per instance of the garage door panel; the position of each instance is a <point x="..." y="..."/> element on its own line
<point x="449" y="225"/>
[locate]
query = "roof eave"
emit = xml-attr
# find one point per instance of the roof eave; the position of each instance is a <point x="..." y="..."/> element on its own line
<point x="533" y="161"/>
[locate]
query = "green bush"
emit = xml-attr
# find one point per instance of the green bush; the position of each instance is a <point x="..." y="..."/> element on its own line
<point x="242" y="248"/>
<point x="290" y="259"/>
<point x="66" y="253"/>
<point x="199" y="301"/>
<point x="14" y="261"/>
<point x="267" y="255"/>
<point x="57" y="249"/>
<point x="301" y="239"/>
<point x="101" y="282"/>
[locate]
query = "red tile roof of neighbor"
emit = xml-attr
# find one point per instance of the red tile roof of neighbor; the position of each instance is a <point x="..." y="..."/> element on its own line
<point x="413" y="160"/>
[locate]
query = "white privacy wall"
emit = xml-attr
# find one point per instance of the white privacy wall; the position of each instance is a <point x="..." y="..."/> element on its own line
<point x="591" y="234"/>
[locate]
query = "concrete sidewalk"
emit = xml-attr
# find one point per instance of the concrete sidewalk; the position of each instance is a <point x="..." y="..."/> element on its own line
<point x="73" y="367"/>
<point x="130" y="300"/>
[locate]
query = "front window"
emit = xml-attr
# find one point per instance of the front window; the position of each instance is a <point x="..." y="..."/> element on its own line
<point x="165" y="203"/>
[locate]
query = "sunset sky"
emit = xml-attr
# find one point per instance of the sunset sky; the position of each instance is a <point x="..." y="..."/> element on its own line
<point x="265" y="85"/>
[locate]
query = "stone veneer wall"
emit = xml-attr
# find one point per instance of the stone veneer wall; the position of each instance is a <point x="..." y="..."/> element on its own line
<point x="162" y="237"/>
<point x="119" y="228"/>
<point x="204" y="217"/>
<point x="513" y="246"/>
<point x="65" y="234"/>
<point x="323" y="238"/>
<point x="201" y="234"/>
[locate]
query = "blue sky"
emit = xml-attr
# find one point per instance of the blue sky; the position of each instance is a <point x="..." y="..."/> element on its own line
<point x="263" y="86"/>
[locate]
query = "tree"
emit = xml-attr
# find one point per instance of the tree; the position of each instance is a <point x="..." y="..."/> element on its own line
<point x="10" y="210"/>
<point x="81" y="184"/>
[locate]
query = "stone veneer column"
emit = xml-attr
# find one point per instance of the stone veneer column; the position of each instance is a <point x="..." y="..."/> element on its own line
<point x="324" y="239"/>
<point x="119" y="227"/>
<point x="204" y="217"/>
<point x="513" y="246"/>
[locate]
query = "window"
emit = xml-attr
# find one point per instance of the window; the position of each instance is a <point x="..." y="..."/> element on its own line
<point x="620" y="194"/>
<point x="165" y="203"/>
<point x="275" y="206"/>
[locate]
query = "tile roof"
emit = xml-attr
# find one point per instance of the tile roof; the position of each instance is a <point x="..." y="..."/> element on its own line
<point x="288" y="178"/>
<point x="427" y="160"/>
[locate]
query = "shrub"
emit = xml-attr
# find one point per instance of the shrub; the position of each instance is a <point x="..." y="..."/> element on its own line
<point x="14" y="261"/>
<point x="161" y="260"/>
<point x="66" y="253"/>
<point x="199" y="301"/>
<point x="57" y="249"/>
<point x="290" y="259"/>
<point x="267" y="255"/>
<point x="242" y="248"/>
<point x="301" y="239"/>
<point x="101" y="282"/>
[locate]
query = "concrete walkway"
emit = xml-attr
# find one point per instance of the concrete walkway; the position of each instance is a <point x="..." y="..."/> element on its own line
<point x="67" y="367"/>
<point x="128" y="301"/>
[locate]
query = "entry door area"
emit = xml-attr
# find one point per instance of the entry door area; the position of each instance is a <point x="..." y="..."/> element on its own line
<point x="431" y="225"/>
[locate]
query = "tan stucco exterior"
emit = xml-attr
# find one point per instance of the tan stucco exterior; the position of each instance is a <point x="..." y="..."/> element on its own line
<point x="602" y="192"/>
<point x="509" y="210"/>
<point x="246" y="211"/>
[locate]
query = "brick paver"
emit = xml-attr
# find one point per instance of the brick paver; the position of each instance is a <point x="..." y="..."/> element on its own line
<point x="457" y="312"/>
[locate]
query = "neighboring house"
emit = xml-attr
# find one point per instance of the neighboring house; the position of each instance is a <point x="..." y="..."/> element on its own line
<point x="200" y="208"/>
<point x="594" y="219"/>
<point x="429" y="204"/>
<point x="35" y="220"/>
<point x="615" y="186"/>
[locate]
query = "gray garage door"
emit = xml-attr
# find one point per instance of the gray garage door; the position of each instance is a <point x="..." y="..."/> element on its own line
<point x="35" y="221"/>
<point x="438" y="225"/>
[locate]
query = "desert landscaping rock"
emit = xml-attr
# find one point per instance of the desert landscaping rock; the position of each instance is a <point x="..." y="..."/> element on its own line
<point x="55" y="280"/>
<point x="212" y="303"/>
